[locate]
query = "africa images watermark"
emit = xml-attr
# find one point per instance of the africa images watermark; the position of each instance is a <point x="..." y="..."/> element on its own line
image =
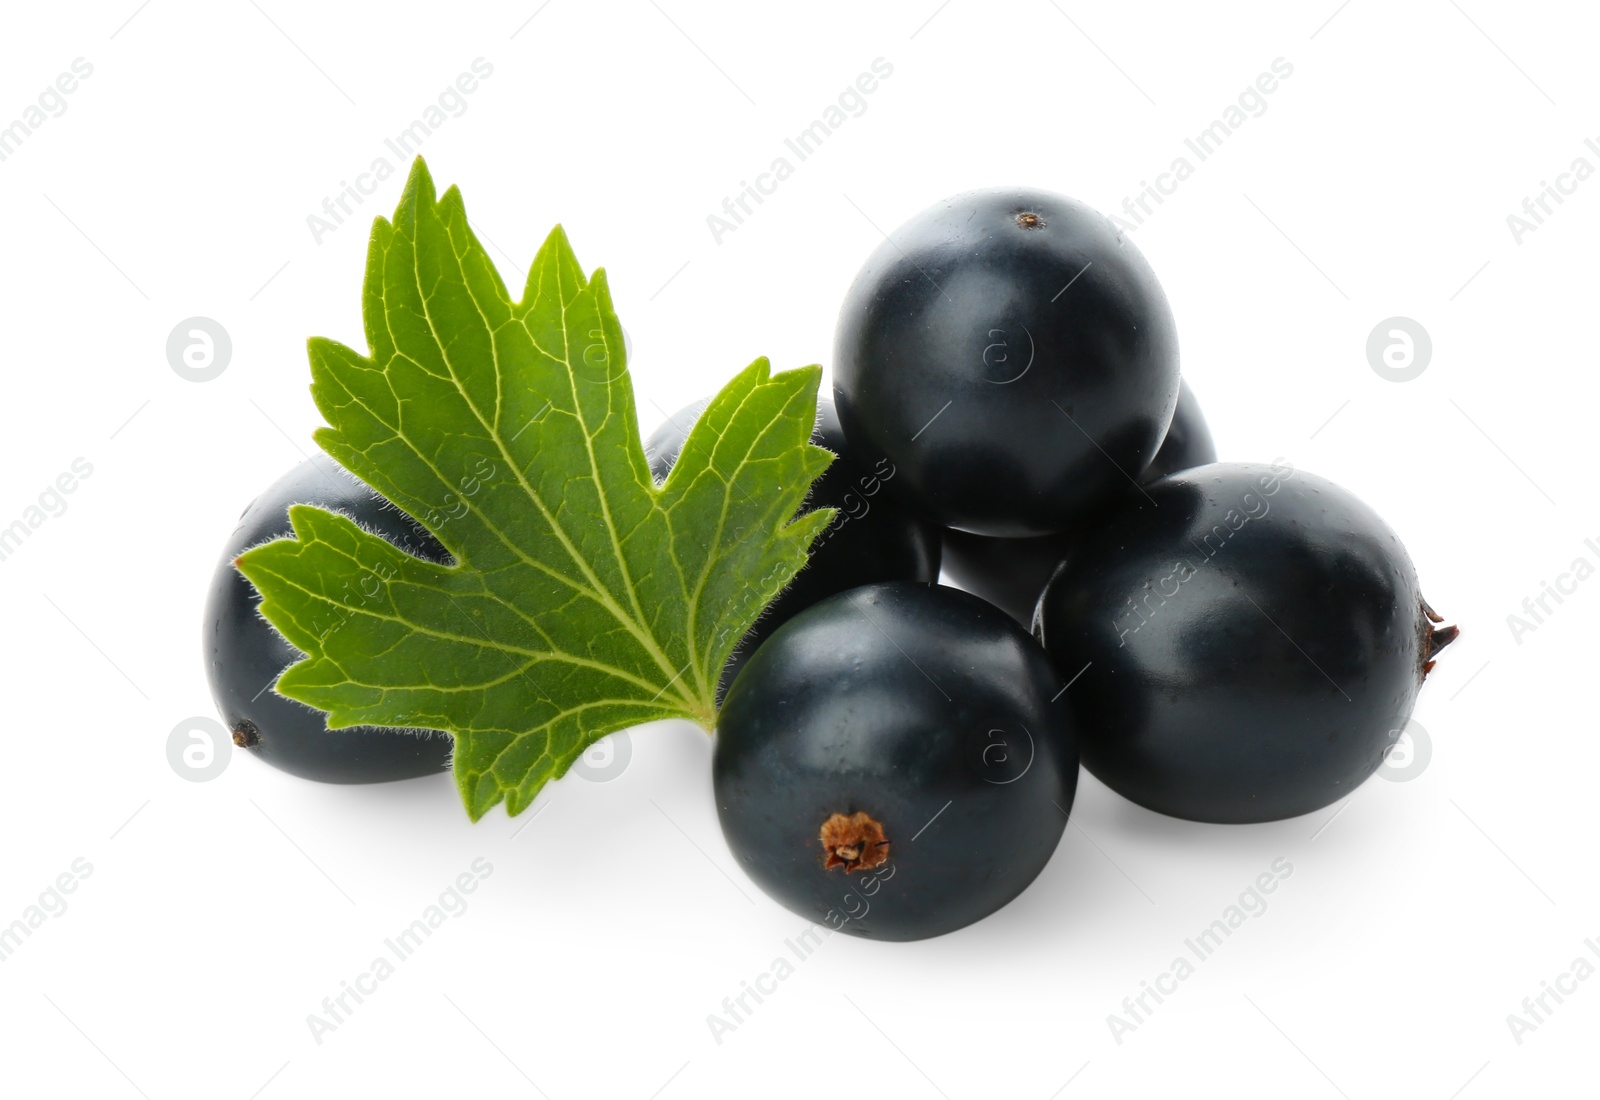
<point x="1536" y="609"/>
<point x="853" y="905"/>
<point x="737" y="1009"/>
<point x="851" y="103"/>
<point x="450" y="103"/>
<point x="1251" y="506"/>
<point x="1251" y="103"/>
<point x="1536" y="208"/>
<point x="1537" y="1009"/>
<point x="50" y="504"/>
<point x="51" y="103"/>
<point x="1137" y="1009"/>
<point x="452" y="902"/>
<point x="52" y="902"/>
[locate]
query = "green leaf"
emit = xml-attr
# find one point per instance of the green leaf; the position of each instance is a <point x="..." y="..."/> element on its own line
<point x="583" y="598"/>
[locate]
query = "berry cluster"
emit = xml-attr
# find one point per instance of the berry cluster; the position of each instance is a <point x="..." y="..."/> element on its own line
<point x="1224" y="642"/>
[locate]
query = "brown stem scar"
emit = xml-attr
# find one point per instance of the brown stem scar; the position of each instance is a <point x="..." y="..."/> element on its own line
<point x="854" y="842"/>
<point x="1434" y="638"/>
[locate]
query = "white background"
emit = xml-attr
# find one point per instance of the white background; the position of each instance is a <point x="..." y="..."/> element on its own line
<point x="219" y="915"/>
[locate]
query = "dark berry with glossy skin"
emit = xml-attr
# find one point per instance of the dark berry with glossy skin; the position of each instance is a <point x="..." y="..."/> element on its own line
<point x="245" y="655"/>
<point x="1252" y="639"/>
<point x="890" y="762"/>
<point x="1010" y="573"/>
<point x="1012" y="353"/>
<point x="874" y="538"/>
<point x="1188" y="443"/>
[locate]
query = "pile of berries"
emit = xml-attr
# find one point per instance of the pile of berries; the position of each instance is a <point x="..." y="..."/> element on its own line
<point x="1218" y="641"/>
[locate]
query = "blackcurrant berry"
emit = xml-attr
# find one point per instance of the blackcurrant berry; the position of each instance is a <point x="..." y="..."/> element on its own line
<point x="1248" y="642"/>
<point x="1014" y="357"/>
<point x="873" y="538"/>
<point x="1188" y="442"/>
<point x="1010" y="573"/>
<point x="890" y="763"/>
<point x="245" y="655"/>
